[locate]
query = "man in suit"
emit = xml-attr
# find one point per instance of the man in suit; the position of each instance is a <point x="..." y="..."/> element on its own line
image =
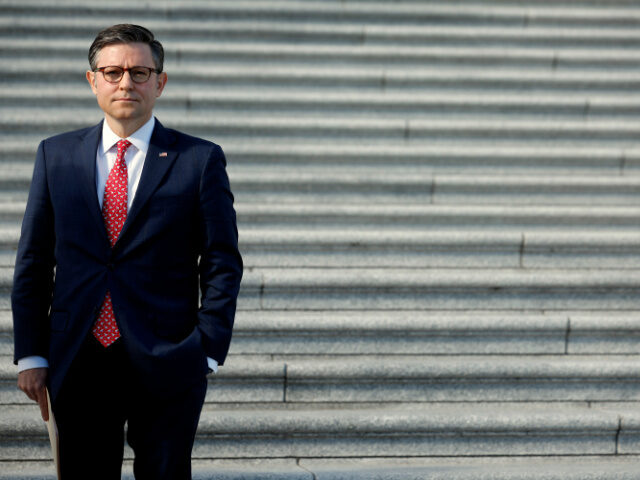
<point x="127" y="274"/>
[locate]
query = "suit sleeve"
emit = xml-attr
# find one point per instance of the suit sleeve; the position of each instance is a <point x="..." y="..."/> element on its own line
<point x="34" y="270"/>
<point x="220" y="267"/>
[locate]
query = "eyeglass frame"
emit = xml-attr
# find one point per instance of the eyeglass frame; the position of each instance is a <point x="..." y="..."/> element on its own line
<point x="124" y="70"/>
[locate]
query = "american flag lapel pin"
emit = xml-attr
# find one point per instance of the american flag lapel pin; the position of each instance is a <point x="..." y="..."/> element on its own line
<point x="163" y="154"/>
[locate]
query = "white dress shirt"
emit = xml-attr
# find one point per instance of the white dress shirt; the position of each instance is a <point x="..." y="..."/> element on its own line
<point x="105" y="159"/>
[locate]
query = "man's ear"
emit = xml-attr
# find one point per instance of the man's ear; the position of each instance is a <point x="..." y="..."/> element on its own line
<point x="91" y="78"/>
<point x="161" y="82"/>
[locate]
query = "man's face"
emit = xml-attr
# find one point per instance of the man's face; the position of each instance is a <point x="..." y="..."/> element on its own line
<point x="126" y="102"/>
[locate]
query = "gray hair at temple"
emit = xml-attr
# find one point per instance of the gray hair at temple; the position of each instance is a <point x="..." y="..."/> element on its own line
<point x="126" y="33"/>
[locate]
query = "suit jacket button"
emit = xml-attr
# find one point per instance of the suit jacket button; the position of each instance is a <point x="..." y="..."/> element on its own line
<point x="110" y="265"/>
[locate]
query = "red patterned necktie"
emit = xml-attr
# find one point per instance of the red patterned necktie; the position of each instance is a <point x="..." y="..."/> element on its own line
<point x="114" y="213"/>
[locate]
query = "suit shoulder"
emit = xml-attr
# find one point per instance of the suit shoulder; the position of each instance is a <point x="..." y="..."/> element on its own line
<point x="189" y="141"/>
<point x="197" y="150"/>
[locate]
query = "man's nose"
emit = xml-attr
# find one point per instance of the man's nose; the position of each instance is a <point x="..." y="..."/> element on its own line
<point x="126" y="82"/>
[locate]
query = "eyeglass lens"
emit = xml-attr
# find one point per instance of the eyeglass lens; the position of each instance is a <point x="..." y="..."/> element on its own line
<point x="138" y="74"/>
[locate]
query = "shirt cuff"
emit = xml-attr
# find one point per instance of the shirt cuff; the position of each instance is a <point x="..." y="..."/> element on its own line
<point x="34" y="361"/>
<point x="213" y="365"/>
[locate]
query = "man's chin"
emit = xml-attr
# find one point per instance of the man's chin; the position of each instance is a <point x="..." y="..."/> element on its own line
<point x="125" y="114"/>
<point x="125" y="107"/>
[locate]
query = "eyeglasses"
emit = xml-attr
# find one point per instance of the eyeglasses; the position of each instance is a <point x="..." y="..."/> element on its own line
<point x="114" y="74"/>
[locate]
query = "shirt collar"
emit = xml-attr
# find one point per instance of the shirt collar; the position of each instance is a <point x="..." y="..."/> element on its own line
<point x="139" y="139"/>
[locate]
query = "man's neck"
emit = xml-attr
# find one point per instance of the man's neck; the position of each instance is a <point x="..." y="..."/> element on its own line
<point x="125" y="129"/>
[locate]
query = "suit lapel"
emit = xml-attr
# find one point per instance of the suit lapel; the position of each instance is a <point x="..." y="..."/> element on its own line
<point x="84" y="160"/>
<point x="159" y="159"/>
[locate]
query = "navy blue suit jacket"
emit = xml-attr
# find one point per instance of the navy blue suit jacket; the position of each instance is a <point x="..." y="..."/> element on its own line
<point x="174" y="273"/>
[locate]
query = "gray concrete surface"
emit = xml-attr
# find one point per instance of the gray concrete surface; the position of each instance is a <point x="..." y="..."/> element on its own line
<point x="438" y="209"/>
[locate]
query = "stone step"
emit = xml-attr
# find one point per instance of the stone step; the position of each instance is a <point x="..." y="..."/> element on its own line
<point x="265" y="334"/>
<point x="413" y="249"/>
<point x="379" y="186"/>
<point x="422" y="378"/>
<point x="555" y="225"/>
<point x="321" y="53"/>
<point x="430" y="217"/>
<point x="406" y="248"/>
<point x="66" y="73"/>
<point x="341" y="193"/>
<point x="410" y="288"/>
<point x="170" y="31"/>
<point x="518" y="14"/>
<point x="392" y="289"/>
<point x="602" y="467"/>
<point x="376" y="130"/>
<point x="412" y="216"/>
<point x="527" y="468"/>
<point x="403" y="104"/>
<point x="452" y="193"/>
<point x="373" y="430"/>
<point x="296" y="332"/>
<point x="17" y="154"/>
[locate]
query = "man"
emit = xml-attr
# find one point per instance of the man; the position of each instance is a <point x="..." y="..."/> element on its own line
<point x="127" y="274"/>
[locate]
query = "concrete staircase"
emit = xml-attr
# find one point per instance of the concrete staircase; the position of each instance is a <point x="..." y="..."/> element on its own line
<point x="439" y="212"/>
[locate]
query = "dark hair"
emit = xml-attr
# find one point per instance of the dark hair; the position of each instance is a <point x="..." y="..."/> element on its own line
<point x="126" y="33"/>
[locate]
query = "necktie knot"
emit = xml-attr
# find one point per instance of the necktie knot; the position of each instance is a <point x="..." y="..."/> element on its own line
<point x="122" y="146"/>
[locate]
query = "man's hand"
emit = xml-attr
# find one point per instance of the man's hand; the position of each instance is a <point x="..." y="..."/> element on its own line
<point x="33" y="382"/>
